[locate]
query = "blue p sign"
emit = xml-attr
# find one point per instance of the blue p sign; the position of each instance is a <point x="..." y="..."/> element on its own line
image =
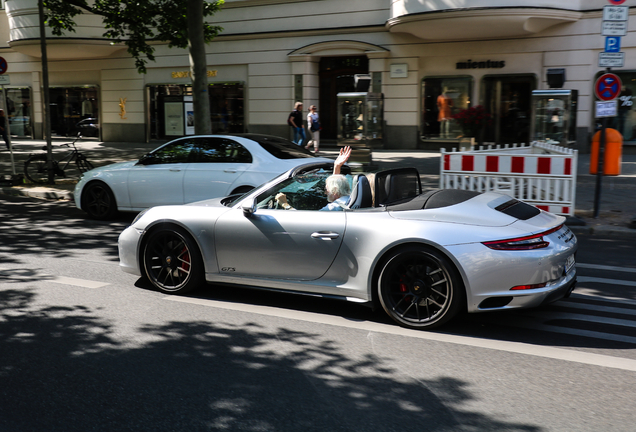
<point x="612" y="44"/>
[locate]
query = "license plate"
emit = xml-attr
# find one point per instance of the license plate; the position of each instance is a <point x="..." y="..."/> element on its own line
<point x="569" y="263"/>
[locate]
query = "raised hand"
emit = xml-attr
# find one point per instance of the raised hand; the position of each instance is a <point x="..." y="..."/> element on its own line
<point x="342" y="158"/>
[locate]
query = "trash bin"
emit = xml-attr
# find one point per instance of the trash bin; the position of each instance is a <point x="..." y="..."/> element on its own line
<point x="613" y="152"/>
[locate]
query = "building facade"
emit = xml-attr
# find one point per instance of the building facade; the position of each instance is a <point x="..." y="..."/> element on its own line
<point x="430" y="60"/>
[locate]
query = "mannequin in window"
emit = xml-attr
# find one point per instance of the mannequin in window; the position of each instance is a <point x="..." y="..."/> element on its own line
<point x="444" y="105"/>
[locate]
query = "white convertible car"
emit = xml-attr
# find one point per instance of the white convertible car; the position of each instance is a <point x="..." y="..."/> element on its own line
<point x="423" y="257"/>
<point x="186" y="170"/>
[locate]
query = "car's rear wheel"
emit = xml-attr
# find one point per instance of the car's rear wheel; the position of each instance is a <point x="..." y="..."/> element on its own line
<point x="99" y="201"/>
<point x="172" y="261"/>
<point x="420" y="288"/>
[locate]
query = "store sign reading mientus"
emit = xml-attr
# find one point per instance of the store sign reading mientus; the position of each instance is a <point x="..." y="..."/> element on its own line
<point x="188" y="74"/>
<point x="486" y="64"/>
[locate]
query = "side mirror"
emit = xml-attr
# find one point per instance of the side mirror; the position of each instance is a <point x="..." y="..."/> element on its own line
<point x="147" y="159"/>
<point x="249" y="207"/>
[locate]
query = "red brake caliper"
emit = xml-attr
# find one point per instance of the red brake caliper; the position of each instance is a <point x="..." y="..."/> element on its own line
<point x="403" y="286"/>
<point x="186" y="259"/>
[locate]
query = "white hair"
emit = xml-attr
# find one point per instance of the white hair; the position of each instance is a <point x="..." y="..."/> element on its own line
<point x="338" y="184"/>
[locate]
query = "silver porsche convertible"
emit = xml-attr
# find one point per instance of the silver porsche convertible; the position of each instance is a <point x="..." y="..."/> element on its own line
<point x="424" y="257"/>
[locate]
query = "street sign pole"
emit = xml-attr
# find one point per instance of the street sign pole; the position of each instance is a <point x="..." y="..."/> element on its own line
<point x="599" y="167"/>
<point x="7" y="129"/>
<point x="614" y="25"/>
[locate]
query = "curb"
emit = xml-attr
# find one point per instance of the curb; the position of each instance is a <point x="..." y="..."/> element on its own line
<point x="38" y="192"/>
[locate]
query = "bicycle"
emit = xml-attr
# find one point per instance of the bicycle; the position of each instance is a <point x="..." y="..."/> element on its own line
<point x="36" y="165"/>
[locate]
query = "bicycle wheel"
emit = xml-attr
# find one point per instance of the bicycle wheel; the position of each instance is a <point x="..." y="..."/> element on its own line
<point x="83" y="164"/>
<point x="35" y="169"/>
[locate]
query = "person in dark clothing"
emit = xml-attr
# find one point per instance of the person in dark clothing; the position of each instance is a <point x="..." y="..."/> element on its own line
<point x="295" y="120"/>
<point x="3" y="128"/>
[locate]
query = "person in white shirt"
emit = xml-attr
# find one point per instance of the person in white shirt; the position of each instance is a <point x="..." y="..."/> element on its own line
<point x="313" y="124"/>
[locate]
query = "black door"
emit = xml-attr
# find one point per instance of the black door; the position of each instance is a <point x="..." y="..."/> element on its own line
<point x="336" y="76"/>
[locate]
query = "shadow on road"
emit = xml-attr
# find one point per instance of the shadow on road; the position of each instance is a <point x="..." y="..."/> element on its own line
<point x="64" y="369"/>
<point x="55" y="229"/>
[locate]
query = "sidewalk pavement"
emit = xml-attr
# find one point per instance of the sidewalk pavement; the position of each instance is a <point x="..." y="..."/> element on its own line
<point x="617" y="215"/>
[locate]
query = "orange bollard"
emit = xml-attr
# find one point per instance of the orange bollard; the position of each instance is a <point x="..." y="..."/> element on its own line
<point x="613" y="152"/>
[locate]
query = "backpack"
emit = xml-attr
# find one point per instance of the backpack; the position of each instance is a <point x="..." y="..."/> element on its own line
<point x="315" y="126"/>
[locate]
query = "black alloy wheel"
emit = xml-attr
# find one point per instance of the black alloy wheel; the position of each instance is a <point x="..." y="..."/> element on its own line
<point x="172" y="261"/>
<point x="99" y="201"/>
<point x="420" y="289"/>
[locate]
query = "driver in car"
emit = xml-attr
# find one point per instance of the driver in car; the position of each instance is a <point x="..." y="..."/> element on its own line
<point x="336" y="185"/>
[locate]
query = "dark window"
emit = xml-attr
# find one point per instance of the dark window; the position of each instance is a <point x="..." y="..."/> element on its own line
<point x="279" y="147"/>
<point x="175" y="152"/>
<point x="508" y="100"/>
<point x="221" y="150"/>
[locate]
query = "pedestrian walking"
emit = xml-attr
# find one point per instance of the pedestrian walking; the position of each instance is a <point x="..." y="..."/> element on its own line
<point x="295" y="120"/>
<point x="3" y="128"/>
<point x="313" y="123"/>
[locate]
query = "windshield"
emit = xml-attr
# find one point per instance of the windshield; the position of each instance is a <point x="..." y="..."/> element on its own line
<point x="303" y="192"/>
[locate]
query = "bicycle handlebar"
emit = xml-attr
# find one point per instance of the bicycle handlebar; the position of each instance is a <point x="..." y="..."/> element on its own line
<point x="69" y="145"/>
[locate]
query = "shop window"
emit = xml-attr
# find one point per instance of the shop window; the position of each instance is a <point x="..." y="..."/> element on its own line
<point x="171" y="113"/>
<point x="625" y="121"/>
<point x="18" y="103"/>
<point x="71" y="105"/>
<point x="443" y="98"/>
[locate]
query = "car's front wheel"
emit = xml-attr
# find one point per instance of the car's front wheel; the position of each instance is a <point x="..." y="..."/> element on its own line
<point x="99" y="201"/>
<point x="420" y="288"/>
<point x="172" y="261"/>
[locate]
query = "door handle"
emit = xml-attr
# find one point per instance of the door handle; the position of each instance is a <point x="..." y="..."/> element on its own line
<point x="175" y="169"/>
<point x="233" y="171"/>
<point x="325" y="235"/>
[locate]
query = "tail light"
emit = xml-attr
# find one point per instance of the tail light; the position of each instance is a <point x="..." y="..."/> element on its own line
<point x="531" y="242"/>
<point x="526" y="287"/>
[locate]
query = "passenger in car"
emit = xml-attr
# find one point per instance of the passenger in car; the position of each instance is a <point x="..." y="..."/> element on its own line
<point x="336" y="186"/>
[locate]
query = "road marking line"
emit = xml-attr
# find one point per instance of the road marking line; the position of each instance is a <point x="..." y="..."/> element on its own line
<point x="77" y="282"/>
<point x="597" y="307"/>
<point x="605" y="281"/>
<point x="592" y="294"/>
<point x="512" y="347"/>
<point x="606" y="267"/>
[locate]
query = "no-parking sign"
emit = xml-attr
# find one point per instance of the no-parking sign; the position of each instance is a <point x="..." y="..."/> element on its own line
<point x="616" y="2"/>
<point x="3" y="65"/>
<point x="608" y="87"/>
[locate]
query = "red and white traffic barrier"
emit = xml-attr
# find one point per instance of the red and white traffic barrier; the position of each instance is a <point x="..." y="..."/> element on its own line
<point x="540" y="174"/>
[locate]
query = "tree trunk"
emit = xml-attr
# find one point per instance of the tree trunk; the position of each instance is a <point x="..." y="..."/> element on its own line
<point x="198" y="68"/>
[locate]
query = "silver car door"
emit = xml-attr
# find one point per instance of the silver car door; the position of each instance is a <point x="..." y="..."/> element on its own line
<point x="295" y="245"/>
<point x="158" y="177"/>
<point x="219" y="162"/>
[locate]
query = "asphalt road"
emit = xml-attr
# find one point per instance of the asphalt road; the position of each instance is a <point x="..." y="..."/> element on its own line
<point x="86" y="347"/>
